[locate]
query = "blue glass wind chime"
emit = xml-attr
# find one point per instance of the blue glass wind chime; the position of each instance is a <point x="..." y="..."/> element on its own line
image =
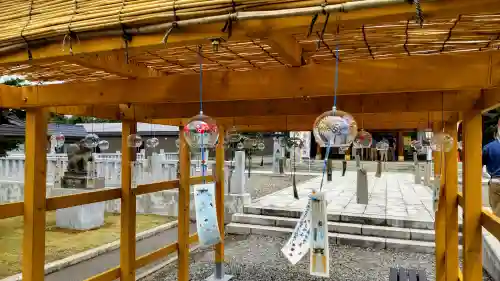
<point x="201" y="133"/>
<point x="332" y="129"/>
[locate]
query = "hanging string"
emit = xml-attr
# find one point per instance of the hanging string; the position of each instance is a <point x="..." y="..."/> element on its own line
<point x="295" y="192"/>
<point x="336" y="84"/>
<point x="202" y="149"/>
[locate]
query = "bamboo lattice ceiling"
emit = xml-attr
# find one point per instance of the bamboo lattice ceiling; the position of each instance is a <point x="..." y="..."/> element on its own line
<point x="40" y="20"/>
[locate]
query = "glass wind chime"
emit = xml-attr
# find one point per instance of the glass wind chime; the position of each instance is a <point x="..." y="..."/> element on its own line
<point x="337" y="129"/>
<point x="292" y="145"/>
<point x="201" y="133"/>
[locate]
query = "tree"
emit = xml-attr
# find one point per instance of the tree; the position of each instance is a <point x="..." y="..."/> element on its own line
<point x="7" y="116"/>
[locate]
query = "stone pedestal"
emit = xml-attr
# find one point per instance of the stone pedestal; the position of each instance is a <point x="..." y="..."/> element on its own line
<point x="74" y="180"/>
<point x="82" y="217"/>
<point x="427" y="174"/>
<point x="362" y="187"/>
<point x="278" y="153"/>
<point x="358" y="162"/>
<point x="418" y="177"/>
<point x="238" y="177"/>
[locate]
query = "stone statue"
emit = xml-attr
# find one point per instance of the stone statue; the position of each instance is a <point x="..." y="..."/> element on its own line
<point x="77" y="175"/>
<point x="78" y="157"/>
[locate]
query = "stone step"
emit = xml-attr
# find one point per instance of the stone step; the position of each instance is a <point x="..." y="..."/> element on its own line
<point x="341" y="227"/>
<point x="337" y="238"/>
<point x="380" y="220"/>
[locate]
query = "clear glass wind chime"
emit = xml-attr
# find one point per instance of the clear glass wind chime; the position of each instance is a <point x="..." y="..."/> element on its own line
<point x="201" y="133"/>
<point x="337" y="129"/>
<point x="442" y="143"/>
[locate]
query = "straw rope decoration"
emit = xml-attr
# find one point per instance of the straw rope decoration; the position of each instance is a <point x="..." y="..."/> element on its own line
<point x="27" y="24"/>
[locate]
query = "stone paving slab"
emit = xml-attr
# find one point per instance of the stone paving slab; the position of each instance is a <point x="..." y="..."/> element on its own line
<point x="393" y="198"/>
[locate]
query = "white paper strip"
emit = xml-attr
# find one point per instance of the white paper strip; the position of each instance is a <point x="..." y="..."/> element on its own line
<point x="298" y="244"/>
<point x="206" y="214"/>
<point x="319" y="252"/>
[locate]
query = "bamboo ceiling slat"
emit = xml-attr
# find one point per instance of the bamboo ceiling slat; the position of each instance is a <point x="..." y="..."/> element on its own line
<point x="49" y="18"/>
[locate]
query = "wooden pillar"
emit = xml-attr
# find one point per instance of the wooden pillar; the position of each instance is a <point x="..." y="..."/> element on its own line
<point x="183" y="213"/>
<point x="401" y="144"/>
<point x="34" y="195"/>
<point x="440" y="230"/>
<point x="472" y="177"/>
<point x="437" y="157"/>
<point x="450" y="192"/>
<point x="127" y="215"/>
<point x="219" y="203"/>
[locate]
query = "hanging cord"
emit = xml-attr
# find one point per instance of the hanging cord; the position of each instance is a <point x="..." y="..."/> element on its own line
<point x="294" y="183"/>
<point x="249" y="163"/>
<point x="334" y="109"/>
<point x="202" y="149"/>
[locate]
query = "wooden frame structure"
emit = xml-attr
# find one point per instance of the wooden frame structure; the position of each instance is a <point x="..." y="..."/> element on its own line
<point x="269" y="77"/>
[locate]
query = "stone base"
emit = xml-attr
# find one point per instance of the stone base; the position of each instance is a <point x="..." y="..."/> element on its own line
<point x="234" y="203"/>
<point x="82" y="217"/>
<point x="81" y="183"/>
<point x="225" y="278"/>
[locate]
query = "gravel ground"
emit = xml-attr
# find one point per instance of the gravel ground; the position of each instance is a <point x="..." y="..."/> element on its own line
<point x="252" y="258"/>
<point x="260" y="185"/>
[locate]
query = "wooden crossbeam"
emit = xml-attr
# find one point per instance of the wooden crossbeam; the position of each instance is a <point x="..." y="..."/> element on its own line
<point x="241" y="29"/>
<point x="378" y="121"/>
<point x="411" y="74"/>
<point x="115" y="63"/>
<point x="287" y="47"/>
<point x="377" y="103"/>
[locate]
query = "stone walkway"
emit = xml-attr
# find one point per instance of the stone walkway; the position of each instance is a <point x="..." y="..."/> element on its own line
<point x="393" y="196"/>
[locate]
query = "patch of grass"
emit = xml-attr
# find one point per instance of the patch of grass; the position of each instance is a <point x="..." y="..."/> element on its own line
<point x="61" y="243"/>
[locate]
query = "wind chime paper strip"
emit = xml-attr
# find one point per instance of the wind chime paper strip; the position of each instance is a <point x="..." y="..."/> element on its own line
<point x="319" y="253"/>
<point x="206" y="214"/>
<point x="296" y="247"/>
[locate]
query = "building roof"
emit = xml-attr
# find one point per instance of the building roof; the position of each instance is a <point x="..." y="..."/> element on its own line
<point x="112" y="129"/>
<point x="69" y="131"/>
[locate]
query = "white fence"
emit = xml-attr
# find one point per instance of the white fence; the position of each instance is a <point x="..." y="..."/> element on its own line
<point x="158" y="167"/>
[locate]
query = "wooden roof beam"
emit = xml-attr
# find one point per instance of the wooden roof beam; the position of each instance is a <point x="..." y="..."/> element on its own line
<point x="447" y="101"/>
<point x="115" y="63"/>
<point x="388" y="121"/>
<point x="287" y="47"/>
<point x="409" y="74"/>
<point x="241" y="29"/>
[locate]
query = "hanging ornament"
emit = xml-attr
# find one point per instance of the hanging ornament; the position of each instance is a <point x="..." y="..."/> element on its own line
<point x="240" y="146"/>
<point x="134" y="140"/>
<point x="233" y="136"/>
<point x="152" y="142"/>
<point x="335" y="128"/>
<point x="261" y="146"/>
<point x="363" y="139"/>
<point x="103" y="145"/>
<point x="417" y="145"/>
<point x="58" y="139"/>
<point x="426" y="140"/>
<point x="201" y="132"/>
<point x="382" y="145"/>
<point x="442" y="142"/>
<point x="91" y="140"/>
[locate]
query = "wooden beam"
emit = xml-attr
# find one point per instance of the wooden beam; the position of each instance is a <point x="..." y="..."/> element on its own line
<point x="472" y="177"/>
<point x="243" y="29"/>
<point x="379" y="121"/>
<point x="128" y="206"/>
<point x="375" y="103"/>
<point x="183" y="213"/>
<point x="34" y="195"/>
<point x="411" y="74"/>
<point x="115" y="63"/>
<point x="287" y="47"/>
<point x="450" y="192"/>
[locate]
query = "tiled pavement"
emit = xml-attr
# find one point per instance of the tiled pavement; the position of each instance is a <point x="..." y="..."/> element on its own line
<point x="394" y="195"/>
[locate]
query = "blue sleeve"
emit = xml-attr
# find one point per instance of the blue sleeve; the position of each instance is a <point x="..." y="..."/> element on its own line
<point x="485" y="155"/>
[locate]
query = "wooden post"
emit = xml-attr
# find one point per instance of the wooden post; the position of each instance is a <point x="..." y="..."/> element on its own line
<point x="127" y="216"/>
<point x="401" y="151"/>
<point x="183" y="214"/>
<point x="472" y="177"/>
<point x="34" y="195"/>
<point x="219" y="203"/>
<point x="437" y="156"/>
<point x="450" y="193"/>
